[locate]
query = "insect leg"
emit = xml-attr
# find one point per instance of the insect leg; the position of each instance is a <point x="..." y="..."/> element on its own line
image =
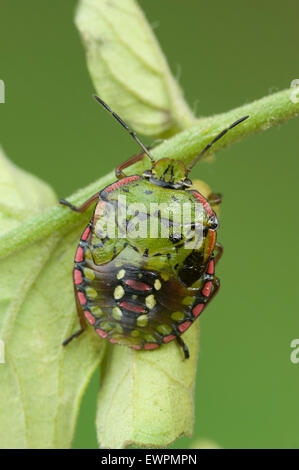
<point x="82" y="324"/>
<point x="83" y="206"/>
<point x="219" y="248"/>
<point x="216" y="287"/>
<point x="183" y="346"/>
<point x="136" y="158"/>
<point x="214" y="199"/>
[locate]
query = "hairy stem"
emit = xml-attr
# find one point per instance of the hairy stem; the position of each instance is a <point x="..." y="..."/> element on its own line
<point x="265" y="113"/>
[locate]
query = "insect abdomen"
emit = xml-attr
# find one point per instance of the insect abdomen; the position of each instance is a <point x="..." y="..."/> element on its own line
<point x="129" y="304"/>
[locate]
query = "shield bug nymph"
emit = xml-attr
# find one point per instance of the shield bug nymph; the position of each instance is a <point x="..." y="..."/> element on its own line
<point x="145" y="291"/>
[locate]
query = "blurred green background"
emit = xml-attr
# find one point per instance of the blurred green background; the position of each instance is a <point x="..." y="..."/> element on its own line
<point x="224" y="55"/>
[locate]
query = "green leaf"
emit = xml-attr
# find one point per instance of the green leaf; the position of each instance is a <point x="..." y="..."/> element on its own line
<point x="146" y="399"/>
<point x="21" y="195"/>
<point x="41" y="382"/>
<point x="128" y="69"/>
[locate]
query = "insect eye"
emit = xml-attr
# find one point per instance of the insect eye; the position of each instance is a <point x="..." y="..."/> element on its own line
<point x="213" y="223"/>
<point x="187" y="183"/>
<point x="147" y="173"/>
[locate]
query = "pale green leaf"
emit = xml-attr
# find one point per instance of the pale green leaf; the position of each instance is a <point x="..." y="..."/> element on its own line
<point x="41" y="382"/>
<point x="21" y="195"/>
<point x="128" y="68"/>
<point x="146" y="398"/>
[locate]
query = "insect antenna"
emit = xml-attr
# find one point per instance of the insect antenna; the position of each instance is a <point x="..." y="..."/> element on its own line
<point x="146" y="151"/>
<point x="222" y="133"/>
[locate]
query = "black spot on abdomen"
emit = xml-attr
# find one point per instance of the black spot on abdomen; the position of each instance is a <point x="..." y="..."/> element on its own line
<point x="192" y="269"/>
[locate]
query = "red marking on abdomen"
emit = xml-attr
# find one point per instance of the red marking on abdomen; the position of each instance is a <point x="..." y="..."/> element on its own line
<point x="112" y="340"/>
<point x="102" y="333"/>
<point x="151" y="346"/>
<point x="85" y="233"/>
<point x="89" y="317"/>
<point x="132" y="307"/>
<point x="168" y="338"/>
<point x="210" y="269"/>
<point x="197" y="309"/>
<point x="82" y="298"/>
<point x="184" y="326"/>
<point x="137" y="285"/>
<point x="122" y="182"/>
<point x="207" y="288"/>
<point x="77" y="276"/>
<point x="135" y="346"/>
<point x="79" y="254"/>
<point x="204" y="202"/>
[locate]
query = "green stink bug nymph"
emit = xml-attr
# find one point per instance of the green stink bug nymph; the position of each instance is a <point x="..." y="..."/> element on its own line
<point x="143" y="276"/>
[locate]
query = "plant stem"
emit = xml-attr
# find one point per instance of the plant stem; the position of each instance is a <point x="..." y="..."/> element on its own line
<point x="265" y="113"/>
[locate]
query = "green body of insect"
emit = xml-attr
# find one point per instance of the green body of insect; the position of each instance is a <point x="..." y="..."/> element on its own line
<point x="144" y="267"/>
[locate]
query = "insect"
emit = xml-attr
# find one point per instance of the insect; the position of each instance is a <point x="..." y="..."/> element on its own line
<point x="146" y="291"/>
